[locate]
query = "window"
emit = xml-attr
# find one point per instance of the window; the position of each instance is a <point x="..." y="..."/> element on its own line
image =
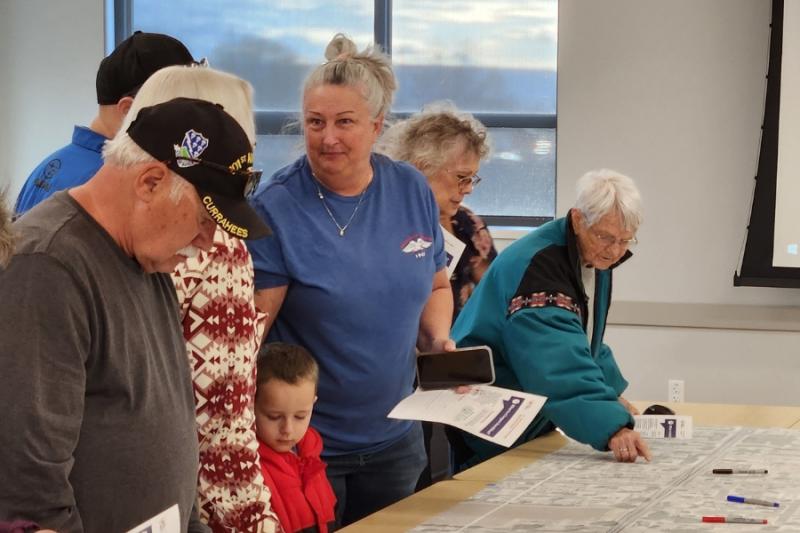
<point x="494" y="58"/>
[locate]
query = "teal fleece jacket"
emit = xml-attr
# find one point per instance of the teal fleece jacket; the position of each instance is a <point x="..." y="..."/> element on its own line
<point x="530" y="308"/>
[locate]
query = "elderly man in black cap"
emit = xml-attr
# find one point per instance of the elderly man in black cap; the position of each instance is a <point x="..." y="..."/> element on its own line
<point x="119" y="77"/>
<point x="98" y="431"/>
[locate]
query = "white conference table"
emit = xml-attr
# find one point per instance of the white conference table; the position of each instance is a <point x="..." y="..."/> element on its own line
<point x="414" y="510"/>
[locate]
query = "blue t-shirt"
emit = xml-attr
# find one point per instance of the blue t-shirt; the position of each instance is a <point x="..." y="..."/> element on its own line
<point x="70" y="166"/>
<point x="353" y="301"/>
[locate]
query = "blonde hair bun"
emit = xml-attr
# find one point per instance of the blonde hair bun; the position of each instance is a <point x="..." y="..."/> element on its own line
<point x="339" y="47"/>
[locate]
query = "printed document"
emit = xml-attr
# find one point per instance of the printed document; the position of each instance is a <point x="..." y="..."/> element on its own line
<point x="168" y="521"/>
<point x="492" y="413"/>
<point x="453" y="247"/>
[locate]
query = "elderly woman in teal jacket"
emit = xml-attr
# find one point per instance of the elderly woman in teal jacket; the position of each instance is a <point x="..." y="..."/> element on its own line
<point x="542" y="307"/>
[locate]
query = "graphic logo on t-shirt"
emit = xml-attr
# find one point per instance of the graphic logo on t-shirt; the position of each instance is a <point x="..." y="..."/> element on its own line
<point x="416" y="244"/>
<point x="49" y="171"/>
<point x="193" y="145"/>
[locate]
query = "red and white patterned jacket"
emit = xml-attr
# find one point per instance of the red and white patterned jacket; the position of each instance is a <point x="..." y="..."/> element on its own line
<point x="223" y="331"/>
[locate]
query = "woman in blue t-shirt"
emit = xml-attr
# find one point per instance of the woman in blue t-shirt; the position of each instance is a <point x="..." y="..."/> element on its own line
<point x="355" y="272"/>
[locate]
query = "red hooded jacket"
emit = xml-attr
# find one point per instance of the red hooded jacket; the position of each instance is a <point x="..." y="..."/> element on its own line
<point x="302" y="497"/>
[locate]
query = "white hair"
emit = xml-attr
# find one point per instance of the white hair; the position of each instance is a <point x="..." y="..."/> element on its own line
<point x="123" y="152"/>
<point x="234" y="94"/>
<point x="178" y="187"/>
<point x="605" y="191"/>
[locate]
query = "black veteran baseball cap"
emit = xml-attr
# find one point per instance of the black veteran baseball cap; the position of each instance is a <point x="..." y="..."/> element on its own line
<point x="205" y="145"/>
<point x="125" y="69"/>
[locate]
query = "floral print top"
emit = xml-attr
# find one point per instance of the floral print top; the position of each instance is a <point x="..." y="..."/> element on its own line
<point x="479" y="252"/>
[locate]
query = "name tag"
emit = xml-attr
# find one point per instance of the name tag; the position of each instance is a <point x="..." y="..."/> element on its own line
<point x="453" y="248"/>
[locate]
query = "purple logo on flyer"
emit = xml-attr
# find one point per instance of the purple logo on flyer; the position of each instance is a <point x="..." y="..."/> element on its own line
<point x="510" y="407"/>
<point x="670" y="428"/>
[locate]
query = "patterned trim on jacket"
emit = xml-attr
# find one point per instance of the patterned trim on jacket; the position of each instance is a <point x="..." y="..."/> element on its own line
<point x="544" y="299"/>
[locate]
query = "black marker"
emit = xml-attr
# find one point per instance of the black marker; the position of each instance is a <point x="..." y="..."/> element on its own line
<point x="737" y="471"/>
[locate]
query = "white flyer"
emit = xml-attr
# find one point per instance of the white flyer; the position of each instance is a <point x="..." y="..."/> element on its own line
<point x="492" y="413"/>
<point x="664" y="426"/>
<point x="168" y="521"/>
<point x="453" y="247"/>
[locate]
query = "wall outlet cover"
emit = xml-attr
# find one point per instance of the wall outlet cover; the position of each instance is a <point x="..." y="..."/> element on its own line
<point x="675" y="390"/>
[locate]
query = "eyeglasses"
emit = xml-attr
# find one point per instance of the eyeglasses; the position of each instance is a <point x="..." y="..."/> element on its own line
<point x="465" y="181"/>
<point x="251" y="175"/>
<point x="609" y="240"/>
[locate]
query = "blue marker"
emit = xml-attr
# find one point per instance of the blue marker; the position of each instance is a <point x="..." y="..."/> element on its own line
<point x="754" y="501"/>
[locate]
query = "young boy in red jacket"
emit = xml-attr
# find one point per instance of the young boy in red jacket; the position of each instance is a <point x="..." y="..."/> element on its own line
<point x="289" y="449"/>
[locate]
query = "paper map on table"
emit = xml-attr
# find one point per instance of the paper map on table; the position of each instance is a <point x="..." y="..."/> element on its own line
<point x="577" y="489"/>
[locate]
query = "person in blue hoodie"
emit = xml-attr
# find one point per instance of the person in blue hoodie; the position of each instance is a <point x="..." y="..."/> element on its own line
<point x="542" y="308"/>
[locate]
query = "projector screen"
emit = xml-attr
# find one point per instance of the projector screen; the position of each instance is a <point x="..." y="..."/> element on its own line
<point x="786" y="251"/>
<point x="771" y="255"/>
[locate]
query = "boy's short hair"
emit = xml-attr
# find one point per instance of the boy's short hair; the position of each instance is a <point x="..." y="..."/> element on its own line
<point x="289" y="363"/>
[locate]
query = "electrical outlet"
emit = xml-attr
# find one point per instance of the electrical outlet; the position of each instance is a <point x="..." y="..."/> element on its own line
<point x="675" y="390"/>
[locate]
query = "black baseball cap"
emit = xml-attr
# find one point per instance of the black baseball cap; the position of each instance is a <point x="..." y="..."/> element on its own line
<point x="136" y="58"/>
<point x="202" y="143"/>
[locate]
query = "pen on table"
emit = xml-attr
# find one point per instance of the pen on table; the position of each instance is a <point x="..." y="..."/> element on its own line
<point x="733" y="520"/>
<point x="739" y="471"/>
<point x="754" y="501"/>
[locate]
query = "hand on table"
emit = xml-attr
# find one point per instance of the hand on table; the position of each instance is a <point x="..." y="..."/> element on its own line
<point x="628" y="445"/>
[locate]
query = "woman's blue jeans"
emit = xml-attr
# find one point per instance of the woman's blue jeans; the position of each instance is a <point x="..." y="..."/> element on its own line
<point x="365" y="483"/>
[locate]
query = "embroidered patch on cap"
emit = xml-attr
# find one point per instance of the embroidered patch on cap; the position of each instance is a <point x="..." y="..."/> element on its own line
<point x="192" y="147"/>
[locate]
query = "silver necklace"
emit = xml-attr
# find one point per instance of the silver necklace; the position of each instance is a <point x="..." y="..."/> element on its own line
<point x="341" y="228"/>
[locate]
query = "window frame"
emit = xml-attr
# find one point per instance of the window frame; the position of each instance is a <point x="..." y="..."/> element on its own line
<point x="275" y="122"/>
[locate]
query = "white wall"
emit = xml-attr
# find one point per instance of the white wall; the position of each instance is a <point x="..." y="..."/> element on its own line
<point x="49" y="53"/>
<point x="672" y="94"/>
<point x="718" y="366"/>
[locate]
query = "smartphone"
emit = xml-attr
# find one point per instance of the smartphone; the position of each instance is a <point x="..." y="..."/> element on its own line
<point x="465" y="366"/>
